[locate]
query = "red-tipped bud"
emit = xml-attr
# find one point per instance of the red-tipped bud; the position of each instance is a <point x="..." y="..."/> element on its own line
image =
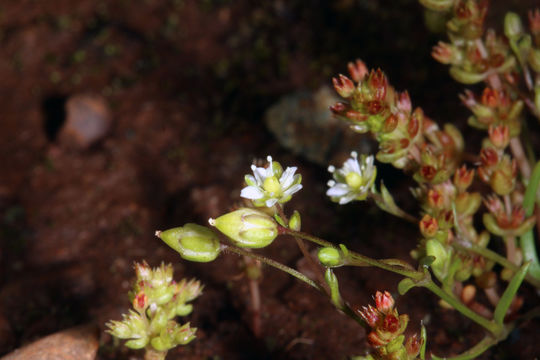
<point x="413" y="345"/>
<point x="446" y="53"/>
<point x="374" y="107"/>
<point x="534" y="21"/>
<point x="494" y="205"/>
<point x="435" y="199"/>
<point x="499" y="136"/>
<point x="384" y="301"/>
<point x="428" y="172"/>
<point x="390" y="123"/>
<point x="429" y="226"/>
<point x="378" y="83"/>
<point x="463" y="10"/>
<point x="374" y="340"/>
<point x="413" y="125"/>
<point x="358" y="70"/>
<point x="490" y="97"/>
<point x="489" y="157"/>
<point x="463" y="178"/>
<point x="355" y="116"/>
<point x="391" y="323"/>
<point x="339" y="108"/>
<point x="140" y="302"/>
<point x="404" y="102"/>
<point x="370" y="315"/>
<point x="344" y="86"/>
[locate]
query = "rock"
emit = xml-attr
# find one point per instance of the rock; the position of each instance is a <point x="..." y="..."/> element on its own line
<point x="79" y="343"/>
<point x="303" y="123"/>
<point x="88" y="120"/>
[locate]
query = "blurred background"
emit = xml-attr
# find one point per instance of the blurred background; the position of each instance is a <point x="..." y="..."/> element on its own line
<point x="118" y="118"/>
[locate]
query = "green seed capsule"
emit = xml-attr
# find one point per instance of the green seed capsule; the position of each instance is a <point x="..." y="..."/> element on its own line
<point x="329" y="257"/>
<point x="193" y="242"/>
<point x="248" y="228"/>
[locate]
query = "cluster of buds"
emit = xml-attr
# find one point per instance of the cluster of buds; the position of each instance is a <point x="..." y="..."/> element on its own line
<point x="506" y="219"/>
<point x="493" y="109"/>
<point x="407" y="138"/>
<point x="387" y="329"/>
<point x="497" y="169"/>
<point x="470" y="58"/>
<point x="157" y="300"/>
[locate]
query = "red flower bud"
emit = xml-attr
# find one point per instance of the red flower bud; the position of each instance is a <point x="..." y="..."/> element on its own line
<point x="390" y="123"/>
<point x="391" y="323"/>
<point x="489" y="157"/>
<point x="499" y="136"/>
<point x="339" y="108"/>
<point x="463" y="178"/>
<point x="490" y="97"/>
<point x="358" y="70"/>
<point x="534" y="21"/>
<point x="429" y="226"/>
<point x="384" y="301"/>
<point x="378" y="83"/>
<point x="404" y="102"/>
<point x="355" y="116"/>
<point x="413" y="345"/>
<point x="370" y="315"/>
<point x="344" y="86"/>
<point x="140" y="302"/>
<point x="374" y="107"/>
<point x="428" y="172"/>
<point x="435" y="199"/>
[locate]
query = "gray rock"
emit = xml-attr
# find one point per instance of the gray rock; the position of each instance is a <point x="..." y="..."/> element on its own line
<point x="88" y="120"/>
<point x="79" y="343"/>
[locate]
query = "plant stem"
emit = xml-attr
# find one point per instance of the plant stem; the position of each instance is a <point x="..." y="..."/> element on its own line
<point x="356" y="259"/>
<point x="151" y="354"/>
<point x="527" y="240"/>
<point x="493" y="328"/>
<point x="272" y="263"/>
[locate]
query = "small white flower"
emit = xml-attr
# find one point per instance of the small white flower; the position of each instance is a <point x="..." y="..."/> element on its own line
<point x="270" y="185"/>
<point x="353" y="181"/>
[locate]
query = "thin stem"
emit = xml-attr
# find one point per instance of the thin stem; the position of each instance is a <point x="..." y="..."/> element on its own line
<point x="527" y="240"/>
<point x="272" y="263"/>
<point x="519" y="154"/>
<point x="151" y="354"/>
<point x="356" y="259"/>
<point x="459" y="306"/>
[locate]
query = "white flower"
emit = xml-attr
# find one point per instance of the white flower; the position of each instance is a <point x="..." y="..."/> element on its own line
<point x="270" y="185"/>
<point x="353" y="181"/>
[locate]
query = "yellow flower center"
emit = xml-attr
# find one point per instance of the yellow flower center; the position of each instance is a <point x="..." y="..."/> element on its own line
<point x="271" y="184"/>
<point x="354" y="180"/>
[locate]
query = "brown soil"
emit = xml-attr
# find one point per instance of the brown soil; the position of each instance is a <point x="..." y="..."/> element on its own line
<point x="187" y="83"/>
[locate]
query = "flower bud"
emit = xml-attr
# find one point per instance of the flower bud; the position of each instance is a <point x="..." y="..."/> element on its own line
<point x="247" y="227"/>
<point x="463" y="178"/>
<point x="438" y="5"/>
<point x="534" y="59"/>
<point x="330" y="257"/>
<point x="193" y="242"/>
<point x="384" y="301"/>
<point x="466" y="77"/>
<point x="429" y="226"/>
<point x="295" y="223"/>
<point x="344" y="86"/>
<point x="436" y="249"/>
<point x="358" y="70"/>
<point x="513" y="27"/>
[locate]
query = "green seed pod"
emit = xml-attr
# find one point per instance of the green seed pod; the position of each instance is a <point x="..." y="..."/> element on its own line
<point x="193" y="242"/>
<point x="137" y="343"/>
<point x="466" y="77"/>
<point x="438" y="5"/>
<point x="248" y="228"/>
<point x="436" y="249"/>
<point x="513" y="28"/>
<point x="295" y="223"/>
<point x="184" y="309"/>
<point x="330" y="257"/>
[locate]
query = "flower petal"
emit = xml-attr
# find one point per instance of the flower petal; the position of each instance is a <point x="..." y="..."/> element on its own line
<point x="337" y="190"/>
<point x="251" y="192"/>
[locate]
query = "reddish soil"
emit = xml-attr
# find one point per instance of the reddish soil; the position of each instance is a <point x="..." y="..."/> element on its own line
<point x="187" y="83"/>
